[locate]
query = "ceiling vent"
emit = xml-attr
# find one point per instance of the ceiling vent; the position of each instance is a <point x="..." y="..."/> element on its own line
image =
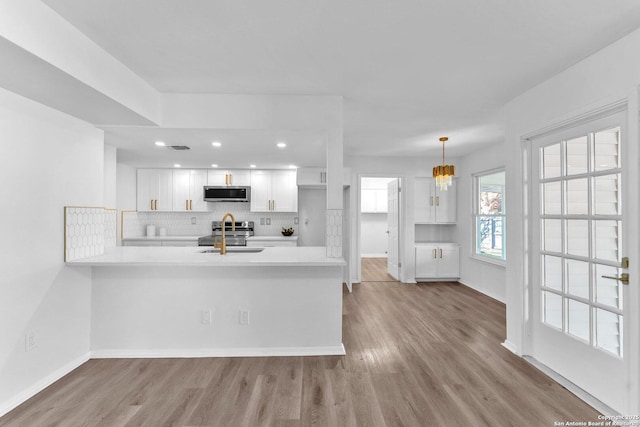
<point x="179" y="147"/>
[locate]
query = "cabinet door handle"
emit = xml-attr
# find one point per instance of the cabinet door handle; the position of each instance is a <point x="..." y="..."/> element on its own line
<point x="437" y="200"/>
<point x="190" y="205"/>
<point x="230" y="179"/>
<point x="440" y="253"/>
<point x="226" y="179"/>
<point x="435" y="253"/>
<point x="151" y="207"/>
<point x="186" y="205"/>
<point x="156" y="204"/>
<point x="431" y="201"/>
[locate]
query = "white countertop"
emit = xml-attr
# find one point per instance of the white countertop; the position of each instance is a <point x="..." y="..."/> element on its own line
<point x="162" y="238"/>
<point x="193" y="256"/>
<point x="272" y="238"/>
<point x="436" y="243"/>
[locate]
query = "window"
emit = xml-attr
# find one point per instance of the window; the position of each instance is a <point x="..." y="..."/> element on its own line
<point x="489" y="215"/>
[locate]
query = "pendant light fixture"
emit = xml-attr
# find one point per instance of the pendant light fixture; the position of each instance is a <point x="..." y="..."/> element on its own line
<point x="443" y="173"/>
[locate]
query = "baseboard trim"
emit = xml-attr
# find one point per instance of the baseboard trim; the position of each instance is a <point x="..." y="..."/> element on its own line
<point x="577" y="391"/>
<point x="511" y="347"/>
<point x="475" y="288"/>
<point x="27" y="394"/>
<point x="218" y="352"/>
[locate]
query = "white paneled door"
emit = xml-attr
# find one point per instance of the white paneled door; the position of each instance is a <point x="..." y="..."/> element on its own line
<point x="579" y="242"/>
<point x="393" y="214"/>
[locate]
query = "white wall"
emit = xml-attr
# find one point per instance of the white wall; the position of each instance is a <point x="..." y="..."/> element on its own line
<point x="490" y="279"/>
<point x="312" y="226"/>
<point x="110" y="176"/>
<point x="50" y="160"/>
<point x="125" y="192"/>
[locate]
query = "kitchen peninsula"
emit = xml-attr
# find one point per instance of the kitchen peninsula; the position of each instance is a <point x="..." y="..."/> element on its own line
<point x="183" y="302"/>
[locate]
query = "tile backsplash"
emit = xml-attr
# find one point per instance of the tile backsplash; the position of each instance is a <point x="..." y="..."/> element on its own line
<point x="88" y="231"/>
<point x="199" y="223"/>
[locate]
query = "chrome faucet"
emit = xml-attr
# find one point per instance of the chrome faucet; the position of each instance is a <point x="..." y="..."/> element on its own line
<point x="223" y="245"/>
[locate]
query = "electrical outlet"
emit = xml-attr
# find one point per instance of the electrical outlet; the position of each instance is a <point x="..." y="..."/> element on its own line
<point x="193" y="220"/>
<point x="30" y="341"/>
<point x="261" y="221"/>
<point x="268" y="221"/>
<point x="244" y="317"/>
<point x="296" y="220"/>
<point x="205" y="317"/>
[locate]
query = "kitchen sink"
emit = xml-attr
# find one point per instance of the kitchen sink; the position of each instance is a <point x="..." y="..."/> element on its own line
<point x="237" y="249"/>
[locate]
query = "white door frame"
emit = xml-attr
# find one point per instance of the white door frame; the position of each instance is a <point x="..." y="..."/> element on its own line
<point x="401" y="221"/>
<point x="630" y="194"/>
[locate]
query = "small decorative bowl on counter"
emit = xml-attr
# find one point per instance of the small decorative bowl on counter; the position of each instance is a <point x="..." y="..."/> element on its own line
<point x="287" y="231"/>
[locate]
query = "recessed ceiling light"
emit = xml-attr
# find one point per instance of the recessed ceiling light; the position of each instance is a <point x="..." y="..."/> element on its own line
<point x="281" y="144"/>
<point x="216" y="144"/>
<point x="214" y="165"/>
<point x="177" y="166"/>
<point x="252" y="166"/>
<point x="160" y="144"/>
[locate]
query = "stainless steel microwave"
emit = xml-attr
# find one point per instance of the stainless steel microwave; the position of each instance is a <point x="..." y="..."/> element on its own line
<point x="227" y="194"/>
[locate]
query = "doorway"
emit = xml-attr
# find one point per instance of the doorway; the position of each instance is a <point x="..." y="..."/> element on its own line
<point x="379" y="219"/>
<point x="579" y="252"/>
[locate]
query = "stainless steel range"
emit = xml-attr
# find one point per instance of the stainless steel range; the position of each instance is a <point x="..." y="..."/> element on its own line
<point x="238" y="237"/>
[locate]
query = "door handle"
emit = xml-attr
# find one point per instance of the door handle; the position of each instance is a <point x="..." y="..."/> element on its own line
<point x="151" y="204"/>
<point x="624" y="278"/>
<point x="437" y="200"/>
<point x="190" y="205"/>
<point x="431" y="201"/>
<point x="435" y="253"/>
<point x="186" y="205"/>
<point x="440" y="253"/>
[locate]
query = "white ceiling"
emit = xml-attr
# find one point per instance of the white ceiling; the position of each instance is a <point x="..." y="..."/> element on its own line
<point x="409" y="71"/>
<point x="239" y="149"/>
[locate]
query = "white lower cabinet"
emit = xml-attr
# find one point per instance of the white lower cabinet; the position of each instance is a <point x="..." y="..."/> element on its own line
<point x="437" y="261"/>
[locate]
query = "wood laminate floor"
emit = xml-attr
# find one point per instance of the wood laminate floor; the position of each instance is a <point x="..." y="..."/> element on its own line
<point x="375" y="270"/>
<point x="417" y="355"/>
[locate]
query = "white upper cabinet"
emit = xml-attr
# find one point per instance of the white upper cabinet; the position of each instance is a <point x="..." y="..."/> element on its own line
<point x="312" y="177"/>
<point x="232" y="177"/>
<point x="155" y="190"/>
<point x="433" y="206"/>
<point x="188" y="192"/>
<point x="274" y="191"/>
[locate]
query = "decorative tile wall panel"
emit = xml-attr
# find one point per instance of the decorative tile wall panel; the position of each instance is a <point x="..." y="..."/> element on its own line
<point x="334" y="233"/>
<point x="110" y="228"/>
<point x="84" y="232"/>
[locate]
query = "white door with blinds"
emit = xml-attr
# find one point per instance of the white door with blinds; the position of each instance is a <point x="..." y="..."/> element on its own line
<point x="578" y="246"/>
